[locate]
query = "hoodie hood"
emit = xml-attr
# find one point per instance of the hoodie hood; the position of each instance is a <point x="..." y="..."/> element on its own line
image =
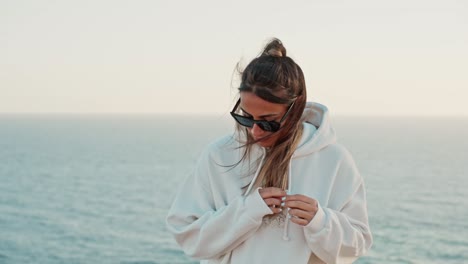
<point x="318" y="132"/>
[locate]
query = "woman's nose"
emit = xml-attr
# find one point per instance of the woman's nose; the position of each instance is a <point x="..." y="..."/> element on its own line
<point x="256" y="131"/>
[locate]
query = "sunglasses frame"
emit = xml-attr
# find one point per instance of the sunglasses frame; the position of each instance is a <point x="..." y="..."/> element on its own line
<point x="268" y="126"/>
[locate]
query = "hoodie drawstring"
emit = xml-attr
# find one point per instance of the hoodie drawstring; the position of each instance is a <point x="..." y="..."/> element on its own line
<point x="256" y="173"/>
<point x="288" y="191"/>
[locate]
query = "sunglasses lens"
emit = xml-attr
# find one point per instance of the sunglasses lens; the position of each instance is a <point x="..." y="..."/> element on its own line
<point x="264" y="125"/>
<point x="268" y="126"/>
<point x="274" y="126"/>
<point x="244" y="121"/>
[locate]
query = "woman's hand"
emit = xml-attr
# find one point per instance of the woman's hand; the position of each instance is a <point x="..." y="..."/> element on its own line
<point x="273" y="197"/>
<point x="301" y="208"/>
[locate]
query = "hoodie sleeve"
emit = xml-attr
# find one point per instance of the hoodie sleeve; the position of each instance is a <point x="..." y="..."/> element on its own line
<point x="206" y="228"/>
<point x="340" y="233"/>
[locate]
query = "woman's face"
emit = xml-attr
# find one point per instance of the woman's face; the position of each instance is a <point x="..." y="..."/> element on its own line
<point x="255" y="107"/>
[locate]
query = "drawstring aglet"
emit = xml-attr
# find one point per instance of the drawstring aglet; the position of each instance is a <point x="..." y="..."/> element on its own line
<point x="285" y="231"/>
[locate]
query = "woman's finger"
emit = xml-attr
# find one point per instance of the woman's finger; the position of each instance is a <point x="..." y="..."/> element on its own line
<point x="271" y="192"/>
<point x="300" y="197"/>
<point x="301" y="208"/>
<point x="301" y="205"/>
<point x="296" y="213"/>
<point x="299" y="221"/>
<point x="276" y="210"/>
<point x="273" y="202"/>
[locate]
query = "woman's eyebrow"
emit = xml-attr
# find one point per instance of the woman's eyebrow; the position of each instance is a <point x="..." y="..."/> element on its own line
<point x="262" y="116"/>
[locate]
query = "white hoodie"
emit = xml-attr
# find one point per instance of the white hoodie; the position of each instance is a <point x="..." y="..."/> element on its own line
<point x="213" y="221"/>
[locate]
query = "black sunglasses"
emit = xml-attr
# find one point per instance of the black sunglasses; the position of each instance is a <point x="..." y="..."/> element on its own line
<point x="269" y="126"/>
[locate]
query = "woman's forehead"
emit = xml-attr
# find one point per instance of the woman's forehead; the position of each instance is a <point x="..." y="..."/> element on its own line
<point x="256" y="106"/>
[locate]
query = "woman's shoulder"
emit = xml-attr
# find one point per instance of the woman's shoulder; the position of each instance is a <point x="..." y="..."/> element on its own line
<point x="221" y="147"/>
<point x="221" y="143"/>
<point x="339" y="150"/>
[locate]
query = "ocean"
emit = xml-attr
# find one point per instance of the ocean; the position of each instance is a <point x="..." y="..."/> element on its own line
<point x="96" y="188"/>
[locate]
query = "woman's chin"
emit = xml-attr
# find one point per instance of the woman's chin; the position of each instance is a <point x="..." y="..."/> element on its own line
<point x="265" y="143"/>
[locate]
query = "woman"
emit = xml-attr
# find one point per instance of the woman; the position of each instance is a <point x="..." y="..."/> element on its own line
<point x="281" y="190"/>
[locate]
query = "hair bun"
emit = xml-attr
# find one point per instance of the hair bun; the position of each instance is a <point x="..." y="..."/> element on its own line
<point x="275" y="53"/>
<point x="275" y="48"/>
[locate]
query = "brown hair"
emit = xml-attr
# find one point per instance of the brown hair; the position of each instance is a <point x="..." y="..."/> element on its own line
<point x="275" y="78"/>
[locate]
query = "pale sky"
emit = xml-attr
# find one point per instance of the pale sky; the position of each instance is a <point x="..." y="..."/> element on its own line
<point x="360" y="57"/>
